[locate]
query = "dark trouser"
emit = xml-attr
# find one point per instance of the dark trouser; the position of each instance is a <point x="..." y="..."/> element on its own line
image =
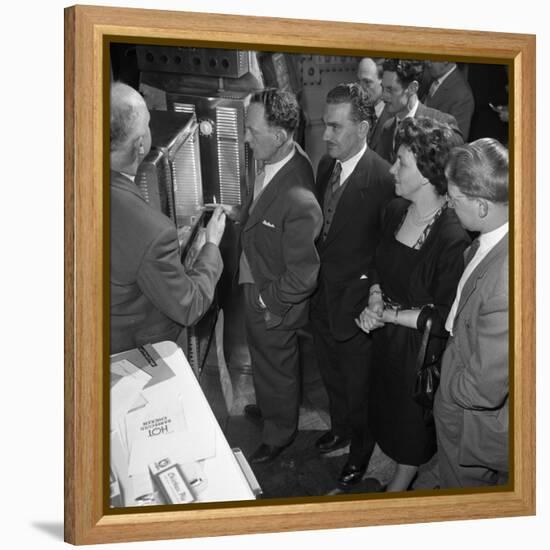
<point x="345" y="369"/>
<point x="275" y="368"/>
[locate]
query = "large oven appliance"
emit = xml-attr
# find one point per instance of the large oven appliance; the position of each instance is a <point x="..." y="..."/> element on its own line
<point x="225" y="157"/>
<point x="170" y="179"/>
<point x="214" y="87"/>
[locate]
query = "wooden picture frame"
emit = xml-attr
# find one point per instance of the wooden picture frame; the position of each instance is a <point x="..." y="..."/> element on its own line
<point x="87" y="519"/>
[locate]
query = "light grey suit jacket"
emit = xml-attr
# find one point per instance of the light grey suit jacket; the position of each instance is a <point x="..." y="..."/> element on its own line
<point x="471" y="405"/>
<point x="152" y="294"/>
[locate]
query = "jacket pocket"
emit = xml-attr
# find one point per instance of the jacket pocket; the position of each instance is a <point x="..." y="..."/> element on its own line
<point x="485" y="439"/>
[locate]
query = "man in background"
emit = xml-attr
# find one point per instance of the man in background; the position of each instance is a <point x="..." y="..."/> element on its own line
<point x="449" y="92"/>
<point x="471" y="405"/>
<point x="354" y="184"/>
<point x="400" y="83"/>
<point x="152" y="295"/>
<point x="369" y="75"/>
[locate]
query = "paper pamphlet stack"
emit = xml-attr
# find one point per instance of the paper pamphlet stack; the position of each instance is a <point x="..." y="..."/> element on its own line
<point x="151" y="421"/>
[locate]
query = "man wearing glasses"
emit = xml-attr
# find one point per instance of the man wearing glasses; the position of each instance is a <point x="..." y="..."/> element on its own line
<point x="471" y="406"/>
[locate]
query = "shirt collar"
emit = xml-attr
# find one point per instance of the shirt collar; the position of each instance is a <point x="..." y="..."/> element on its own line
<point x="490" y="239"/>
<point x="379" y="107"/>
<point x="270" y="170"/>
<point x="410" y="114"/>
<point x="129" y="176"/>
<point x="349" y="165"/>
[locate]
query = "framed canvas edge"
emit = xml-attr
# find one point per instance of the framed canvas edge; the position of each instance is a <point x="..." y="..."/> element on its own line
<point x="85" y="519"/>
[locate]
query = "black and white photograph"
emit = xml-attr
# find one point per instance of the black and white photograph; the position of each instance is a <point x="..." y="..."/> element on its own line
<point x="309" y="275"/>
<point x="287" y="281"/>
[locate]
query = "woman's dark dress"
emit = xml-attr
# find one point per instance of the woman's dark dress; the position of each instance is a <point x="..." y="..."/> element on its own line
<point x="412" y="278"/>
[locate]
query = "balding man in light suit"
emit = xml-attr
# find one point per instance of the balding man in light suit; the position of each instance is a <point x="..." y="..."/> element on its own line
<point x="152" y="295"/>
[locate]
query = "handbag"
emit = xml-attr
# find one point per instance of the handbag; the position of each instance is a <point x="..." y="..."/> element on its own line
<point x="427" y="375"/>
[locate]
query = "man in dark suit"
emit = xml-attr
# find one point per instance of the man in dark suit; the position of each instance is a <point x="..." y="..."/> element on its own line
<point x="369" y="75"/>
<point x="400" y="82"/>
<point x="152" y="296"/>
<point x="353" y="184"/>
<point x="278" y="265"/>
<point x="471" y="405"/>
<point x="450" y="93"/>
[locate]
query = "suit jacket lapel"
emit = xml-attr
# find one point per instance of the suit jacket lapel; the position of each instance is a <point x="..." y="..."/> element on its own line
<point x="385" y="115"/>
<point x="479" y="272"/>
<point x="448" y="83"/>
<point x="357" y="183"/>
<point x="268" y="196"/>
<point x="322" y="182"/>
<point x="385" y="145"/>
<point x="246" y="207"/>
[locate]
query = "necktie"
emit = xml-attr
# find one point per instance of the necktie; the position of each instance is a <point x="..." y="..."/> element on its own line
<point x="334" y="181"/>
<point x="433" y="88"/>
<point x="471" y="252"/>
<point x="374" y="122"/>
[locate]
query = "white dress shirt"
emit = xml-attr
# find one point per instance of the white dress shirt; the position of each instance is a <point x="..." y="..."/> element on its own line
<point x="487" y="241"/>
<point x="378" y="108"/>
<point x="349" y="165"/>
<point x="129" y="176"/>
<point x="410" y="114"/>
<point x="272" y="169"/>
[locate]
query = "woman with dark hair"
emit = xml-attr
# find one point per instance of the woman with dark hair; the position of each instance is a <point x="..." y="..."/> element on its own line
<point x="418" y="263"/>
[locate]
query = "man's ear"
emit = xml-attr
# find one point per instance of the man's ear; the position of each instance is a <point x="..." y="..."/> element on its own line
<point x="483" y="208"/>
<point x="364" y="128"/>
<point x="137" y="150"/>
<point x="413" y="87"/>
<point x="281" y="136"/>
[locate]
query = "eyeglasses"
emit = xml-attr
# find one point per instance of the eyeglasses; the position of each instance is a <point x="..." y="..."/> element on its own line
<point x="451" y="201"/>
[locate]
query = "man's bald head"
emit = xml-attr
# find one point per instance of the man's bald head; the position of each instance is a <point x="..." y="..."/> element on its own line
<point x="130" y="138"/>
<point x="369" y="75"/>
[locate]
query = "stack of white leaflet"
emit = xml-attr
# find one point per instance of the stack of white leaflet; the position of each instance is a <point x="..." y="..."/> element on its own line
<point x="150" y="422"/>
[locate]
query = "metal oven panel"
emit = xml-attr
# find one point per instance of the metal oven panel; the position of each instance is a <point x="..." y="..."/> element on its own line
<point x="193" y="61"/>
<point x="225" y="158"/>
<point x="170" y="176"/>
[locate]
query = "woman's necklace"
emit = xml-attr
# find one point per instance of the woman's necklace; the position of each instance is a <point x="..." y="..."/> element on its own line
<point x="418" y="220"/>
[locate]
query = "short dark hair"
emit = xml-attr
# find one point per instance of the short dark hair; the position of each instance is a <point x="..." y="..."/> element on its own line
<point x="480" y="169"/>
<point x="281" y="108"/>
<point x="430" y="142"/>
<point x="407" y="70"/>
<point x="353" y="93"/>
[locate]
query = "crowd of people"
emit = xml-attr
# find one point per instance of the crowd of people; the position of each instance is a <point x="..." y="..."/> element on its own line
<point x="399" y="234"/>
